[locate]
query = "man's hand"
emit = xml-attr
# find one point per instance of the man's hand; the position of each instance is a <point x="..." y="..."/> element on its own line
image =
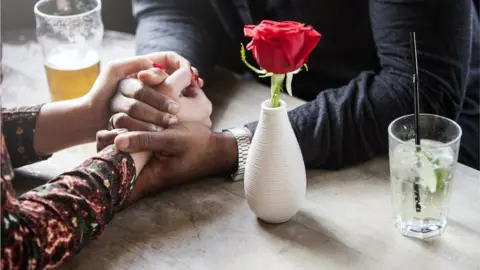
<point x="182" y="152"/>
<point x="188" y="150"/>
<point x="148" y="104"/>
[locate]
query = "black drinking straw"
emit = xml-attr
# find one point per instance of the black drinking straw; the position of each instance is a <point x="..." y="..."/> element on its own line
<point x="416" y="96"/>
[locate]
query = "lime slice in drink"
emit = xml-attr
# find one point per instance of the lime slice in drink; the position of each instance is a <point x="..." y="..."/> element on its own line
<point x="441" y="173"/>
<point x="441" y="177"/>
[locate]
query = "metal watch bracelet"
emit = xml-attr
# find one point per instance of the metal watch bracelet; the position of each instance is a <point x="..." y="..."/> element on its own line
<point x="242" y="135"/>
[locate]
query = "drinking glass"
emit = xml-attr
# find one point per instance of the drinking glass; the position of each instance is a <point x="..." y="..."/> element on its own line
<point x="421" y="177"/>
<point x="70" y="33"/>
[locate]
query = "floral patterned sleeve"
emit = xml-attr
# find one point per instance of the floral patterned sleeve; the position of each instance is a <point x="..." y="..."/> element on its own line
<point x="18" y="128"/>
<point x="47" y="225"/>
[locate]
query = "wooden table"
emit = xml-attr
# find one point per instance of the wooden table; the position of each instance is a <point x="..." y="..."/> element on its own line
<point x="345" y="222"/>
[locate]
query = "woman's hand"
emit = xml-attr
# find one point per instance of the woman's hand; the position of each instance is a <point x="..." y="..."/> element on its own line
<point x="67" y="123"/>
<point x="195" y="107"/>
<point x="105" y="87"/>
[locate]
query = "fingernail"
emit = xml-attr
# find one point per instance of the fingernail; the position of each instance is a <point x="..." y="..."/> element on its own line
<point x="173" y="108"/>
<point x="194" y="75"/>
<point x="155" y="65"/>
<point x="122" y="142"/>
<point x="173" y="120"/>
<point x="121" y="130"/>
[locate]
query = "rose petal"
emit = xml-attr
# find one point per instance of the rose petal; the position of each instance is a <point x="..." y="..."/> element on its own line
<point x="311" y="39"/>
<point x="281" y="47"/>
<point x="249" y="30"/>
<point x="250" y="45"/>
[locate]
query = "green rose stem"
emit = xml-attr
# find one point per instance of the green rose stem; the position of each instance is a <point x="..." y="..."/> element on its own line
<point x="276" y="87"/>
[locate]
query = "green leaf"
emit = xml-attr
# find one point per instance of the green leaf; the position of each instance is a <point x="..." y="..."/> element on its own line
<point x="244" y="59"/>
<point x="288" y="83"/>
<point x="269" y="74"/>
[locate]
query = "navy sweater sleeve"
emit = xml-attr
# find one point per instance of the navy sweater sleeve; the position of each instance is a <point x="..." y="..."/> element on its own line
<point x="187" y="27"/>
<point x="348" y="125"/>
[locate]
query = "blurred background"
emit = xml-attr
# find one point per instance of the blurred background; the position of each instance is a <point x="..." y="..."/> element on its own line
<point x="116" y="14"/>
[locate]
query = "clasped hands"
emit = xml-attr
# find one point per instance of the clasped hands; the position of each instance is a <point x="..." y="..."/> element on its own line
<point x="163" y="114"/>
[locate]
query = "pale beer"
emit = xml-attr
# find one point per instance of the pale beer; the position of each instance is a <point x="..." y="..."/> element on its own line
<point x="70" y="33"/>
<point x="71" y="72"/>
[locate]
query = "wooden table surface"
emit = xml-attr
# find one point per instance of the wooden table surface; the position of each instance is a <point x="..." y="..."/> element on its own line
<point x="345" y="222"/>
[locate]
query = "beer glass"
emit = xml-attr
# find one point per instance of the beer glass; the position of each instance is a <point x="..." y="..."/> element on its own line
<point x="70" y="33"/>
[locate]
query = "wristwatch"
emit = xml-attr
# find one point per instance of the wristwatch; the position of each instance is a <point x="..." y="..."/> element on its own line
<point x="242" y="135"/>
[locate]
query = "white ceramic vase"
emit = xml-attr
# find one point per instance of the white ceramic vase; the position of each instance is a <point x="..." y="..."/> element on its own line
<point x="275" y="177"/>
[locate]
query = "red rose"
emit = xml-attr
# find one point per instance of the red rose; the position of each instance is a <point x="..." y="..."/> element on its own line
<point x="281" y="47"/>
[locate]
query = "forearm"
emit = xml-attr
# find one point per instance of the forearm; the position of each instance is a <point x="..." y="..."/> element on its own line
<point x="184" y="26"/>
<point x="348" y="125"/>
<point x="34" y="132"/>
<point x="342" y="127"/>
<point x="54" y="221"/>
<point x="64" y="124"/>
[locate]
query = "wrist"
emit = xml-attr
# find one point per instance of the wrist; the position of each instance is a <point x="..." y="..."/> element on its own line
<point x="226" y="152"/>
<point x="64" y="124"/>
<point x="94" y="117"/>
<point x="140" y="160"/>
<point x="93" y="113"/>
<point x="228" y="142"/>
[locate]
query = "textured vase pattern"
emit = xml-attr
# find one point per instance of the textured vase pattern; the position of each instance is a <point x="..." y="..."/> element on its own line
<point x="275" y="176"/>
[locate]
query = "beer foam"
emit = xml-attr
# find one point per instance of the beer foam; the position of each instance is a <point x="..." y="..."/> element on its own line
<point x="72" y="58"/>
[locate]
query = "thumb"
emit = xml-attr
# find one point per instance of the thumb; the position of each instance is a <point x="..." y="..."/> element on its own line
<point x="105" y="138"/>
<point x="152" y="76"/>
<point x="106" y="82"/>
<point x="166" y="142"/>
<point x="177" y="82"/>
